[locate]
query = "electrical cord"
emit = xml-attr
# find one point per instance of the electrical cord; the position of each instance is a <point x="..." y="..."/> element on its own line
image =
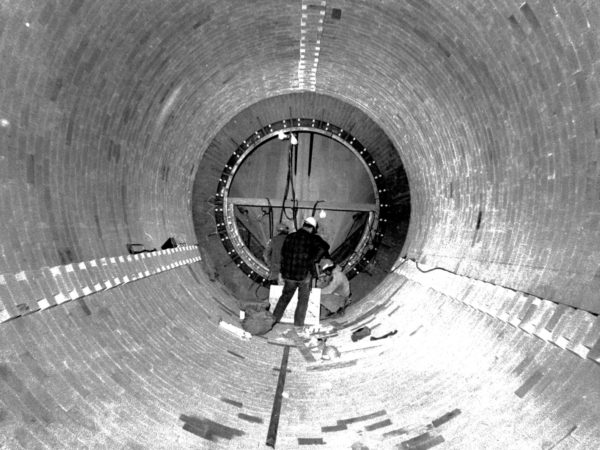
<point x="369" y="230"/>
<point x="270" y="218"/>
<point x="314" y="210"/>
<point x="431" y="270"/>
<point x="285" y="193"/>
<point x="256" y="293"/>
<point x="454" y="273"/>
<point x="290" y="184"/>
<point x="295" y="213"/>
<point x="393" y="269"/>
<point x="352" y="229"/>
<point x="290" y="171"/>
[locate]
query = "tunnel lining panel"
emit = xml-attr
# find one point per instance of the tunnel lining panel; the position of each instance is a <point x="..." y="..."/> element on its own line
<point x="37" y="290"/>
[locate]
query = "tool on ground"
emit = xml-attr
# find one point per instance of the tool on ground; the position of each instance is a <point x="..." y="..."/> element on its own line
<point x="361" y="333"/>
<point x="391" y="333"/>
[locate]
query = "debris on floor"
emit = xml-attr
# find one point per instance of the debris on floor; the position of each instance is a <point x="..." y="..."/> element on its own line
<point x="330" y="353"/>
<point x="236" y="331"/>
<point x="258" y="322"/>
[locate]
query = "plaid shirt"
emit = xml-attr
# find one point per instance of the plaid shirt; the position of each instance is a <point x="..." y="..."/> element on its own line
<point x="298" y="254"/>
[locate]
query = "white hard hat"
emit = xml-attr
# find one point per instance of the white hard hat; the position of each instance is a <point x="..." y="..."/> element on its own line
<point x="311" y="221"/>
<point x="326" y="264"/>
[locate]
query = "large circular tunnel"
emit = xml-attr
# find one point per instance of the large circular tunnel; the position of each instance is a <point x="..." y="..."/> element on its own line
<point x="484" y="327"/>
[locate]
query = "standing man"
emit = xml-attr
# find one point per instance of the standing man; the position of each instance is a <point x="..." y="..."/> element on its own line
<point x="272" y="254"/>
<point x="300" y="251"/>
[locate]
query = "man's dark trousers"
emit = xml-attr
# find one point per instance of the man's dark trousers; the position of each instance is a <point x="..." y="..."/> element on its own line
<point x="289" y="288"/>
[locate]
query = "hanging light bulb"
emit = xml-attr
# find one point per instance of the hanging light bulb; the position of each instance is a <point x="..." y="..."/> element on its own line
<point x="322" y="214"/>
<point x="293" y="139"/>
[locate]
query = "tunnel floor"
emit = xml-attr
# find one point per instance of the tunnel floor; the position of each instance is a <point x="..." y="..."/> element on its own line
<point x="147" y="366"/>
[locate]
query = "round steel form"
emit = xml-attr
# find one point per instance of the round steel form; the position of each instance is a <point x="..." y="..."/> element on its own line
<point x="224" y="214"/>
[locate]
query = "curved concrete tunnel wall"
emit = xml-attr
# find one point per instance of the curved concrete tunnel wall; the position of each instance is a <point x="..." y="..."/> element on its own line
<point x="107" y="108"/>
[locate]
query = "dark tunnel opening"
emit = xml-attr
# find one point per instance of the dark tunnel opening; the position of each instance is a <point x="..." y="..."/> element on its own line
<point x="336" y="169"/>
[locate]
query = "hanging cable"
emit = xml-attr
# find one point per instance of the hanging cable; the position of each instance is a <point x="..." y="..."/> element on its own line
<point x="293" y="149"/>
<point x="393" y="269"/>
<point x="371" y="224"/>
<point x="270" y="212"/>
<point x="285" y="193"/>
<point x="256" y="293"/>
<point x="351" y="230"/>
<point x="314" y="210"/>
<point x="290" y="187"/>
<point x="295" y="213"/>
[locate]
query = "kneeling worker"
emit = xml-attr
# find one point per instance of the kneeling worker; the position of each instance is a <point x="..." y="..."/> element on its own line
<point x="335" y="288"/>
<point x="299" y="253"/>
